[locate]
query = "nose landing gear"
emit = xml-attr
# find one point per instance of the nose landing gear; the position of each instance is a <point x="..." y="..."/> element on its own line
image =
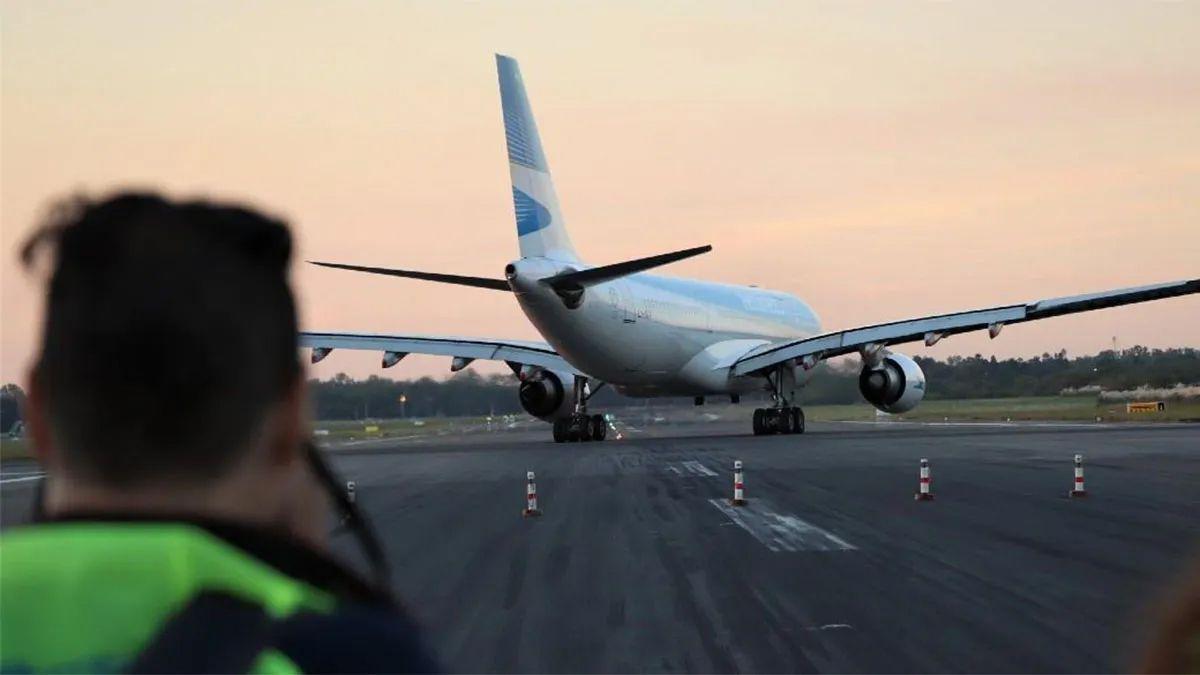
<point x="580" y="426"/>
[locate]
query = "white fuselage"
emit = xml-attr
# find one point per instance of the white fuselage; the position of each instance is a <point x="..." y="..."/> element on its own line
<point x="649" y="335"/>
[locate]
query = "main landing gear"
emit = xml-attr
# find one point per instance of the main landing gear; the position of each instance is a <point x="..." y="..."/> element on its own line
<point x="580" y="426"/>
<point x="781" y="418"/>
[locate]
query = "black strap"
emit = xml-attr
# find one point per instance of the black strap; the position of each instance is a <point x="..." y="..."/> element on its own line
<point x="353" y="517"/>
<point x="215" y="633"/>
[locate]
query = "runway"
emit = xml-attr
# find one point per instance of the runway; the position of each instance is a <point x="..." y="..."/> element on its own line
<point x="638" y="564"/>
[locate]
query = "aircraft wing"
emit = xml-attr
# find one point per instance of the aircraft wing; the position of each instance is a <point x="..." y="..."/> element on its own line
<point x="931" y="329"/>
<point x="396" y="347"/>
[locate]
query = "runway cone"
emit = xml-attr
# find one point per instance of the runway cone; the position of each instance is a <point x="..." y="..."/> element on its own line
<point x="350" y="498"/>
<point x="739" y="488"/>
<point x="924" y="493"/>
<point x="1077" y="489"/>
<point x="531" y="505"/>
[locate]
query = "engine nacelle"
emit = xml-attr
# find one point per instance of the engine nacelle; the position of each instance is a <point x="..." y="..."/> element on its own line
<point x="545" y="395"/>
<point x="896" y="385"/>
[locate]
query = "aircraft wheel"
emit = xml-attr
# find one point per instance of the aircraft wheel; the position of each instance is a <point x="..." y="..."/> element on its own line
<point x="759" y="414"/>
<point x="797" y="420"/>
<point x="578" y="430"/>
<point x="783" y="421"/>
<point x="560" y="432"/>
<point x="599" y="427"/>
<point x="585" y="428"/>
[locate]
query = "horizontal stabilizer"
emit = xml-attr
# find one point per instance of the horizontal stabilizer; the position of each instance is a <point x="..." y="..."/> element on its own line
<point x="599" y="275"/>
<point x="477" y="282"/>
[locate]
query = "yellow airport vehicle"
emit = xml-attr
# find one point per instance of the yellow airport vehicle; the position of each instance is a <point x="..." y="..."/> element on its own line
<point x="1145" y="406"/>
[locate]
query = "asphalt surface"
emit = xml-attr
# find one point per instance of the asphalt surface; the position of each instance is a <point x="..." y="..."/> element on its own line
<point x="638" y="563"/>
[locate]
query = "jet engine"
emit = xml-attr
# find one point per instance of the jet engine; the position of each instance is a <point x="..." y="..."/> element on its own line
<point x="546" y="395"/>
<point x="895" y="385"/>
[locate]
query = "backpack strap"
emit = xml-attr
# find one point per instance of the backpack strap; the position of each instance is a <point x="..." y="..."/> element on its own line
<point x="215" y="633"/>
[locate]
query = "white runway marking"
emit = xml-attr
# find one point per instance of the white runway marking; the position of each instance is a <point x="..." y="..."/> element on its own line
<point x="691" y="468"/>
<point x="780" y="531"/>
<point x="19" y="478"/>
<point x="1089" y="425"/>
<point x="698" y="469"/>
<point x="387" y="439"/>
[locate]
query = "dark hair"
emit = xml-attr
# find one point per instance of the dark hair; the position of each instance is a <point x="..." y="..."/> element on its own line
<point x="169" y="330"/>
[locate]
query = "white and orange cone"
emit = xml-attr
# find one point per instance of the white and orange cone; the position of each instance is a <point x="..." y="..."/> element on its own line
<point x="739" y="488"/>
<point x="925" y="489"/>
<point x="350" y="487"/>
<point x="531" y="504"/>
<point x="1077" y="488"/>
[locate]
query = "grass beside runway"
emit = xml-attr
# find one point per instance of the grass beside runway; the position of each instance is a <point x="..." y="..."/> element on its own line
<point x="1033" y="408"/>
<point x="13" y="449"/>
<point x="355" y="430"/>
<point x="1026" y="409"/>
<point x="345" y="430"/>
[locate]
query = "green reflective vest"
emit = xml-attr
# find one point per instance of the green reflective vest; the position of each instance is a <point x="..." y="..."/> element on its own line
<point x="89" y="596"/>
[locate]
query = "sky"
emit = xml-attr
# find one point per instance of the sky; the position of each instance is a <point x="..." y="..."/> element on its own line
<point x="880" y="160"/>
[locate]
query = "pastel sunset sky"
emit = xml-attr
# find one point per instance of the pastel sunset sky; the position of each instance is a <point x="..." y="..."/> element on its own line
<point x="880" y="160"/>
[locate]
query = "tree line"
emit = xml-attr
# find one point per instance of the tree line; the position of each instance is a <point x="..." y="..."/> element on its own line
<point x="958" y="377"/>
<point x="963" y="377"/>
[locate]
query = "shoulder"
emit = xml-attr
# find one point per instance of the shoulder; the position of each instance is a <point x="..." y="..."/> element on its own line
<point x="355" y="638"/>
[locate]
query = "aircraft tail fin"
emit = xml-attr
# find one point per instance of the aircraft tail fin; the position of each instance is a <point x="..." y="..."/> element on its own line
<point x="540" y="227"/>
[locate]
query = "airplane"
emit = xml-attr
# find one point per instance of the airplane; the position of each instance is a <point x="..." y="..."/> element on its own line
<point x="649" y="336"/>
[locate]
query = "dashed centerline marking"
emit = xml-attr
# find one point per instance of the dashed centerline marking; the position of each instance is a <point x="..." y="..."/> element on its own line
<point x="780" y="531"/>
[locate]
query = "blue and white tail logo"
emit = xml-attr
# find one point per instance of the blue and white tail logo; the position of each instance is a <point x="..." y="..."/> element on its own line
<point x="540" y="227"/>
<point x="531" y="215"/>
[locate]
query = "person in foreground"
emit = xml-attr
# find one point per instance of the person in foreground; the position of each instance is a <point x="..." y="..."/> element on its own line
<point x="184" y="517"/>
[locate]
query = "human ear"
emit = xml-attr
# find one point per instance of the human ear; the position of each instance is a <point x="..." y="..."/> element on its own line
<point x="289" y="426"/>
<point x="37" y="420"/>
